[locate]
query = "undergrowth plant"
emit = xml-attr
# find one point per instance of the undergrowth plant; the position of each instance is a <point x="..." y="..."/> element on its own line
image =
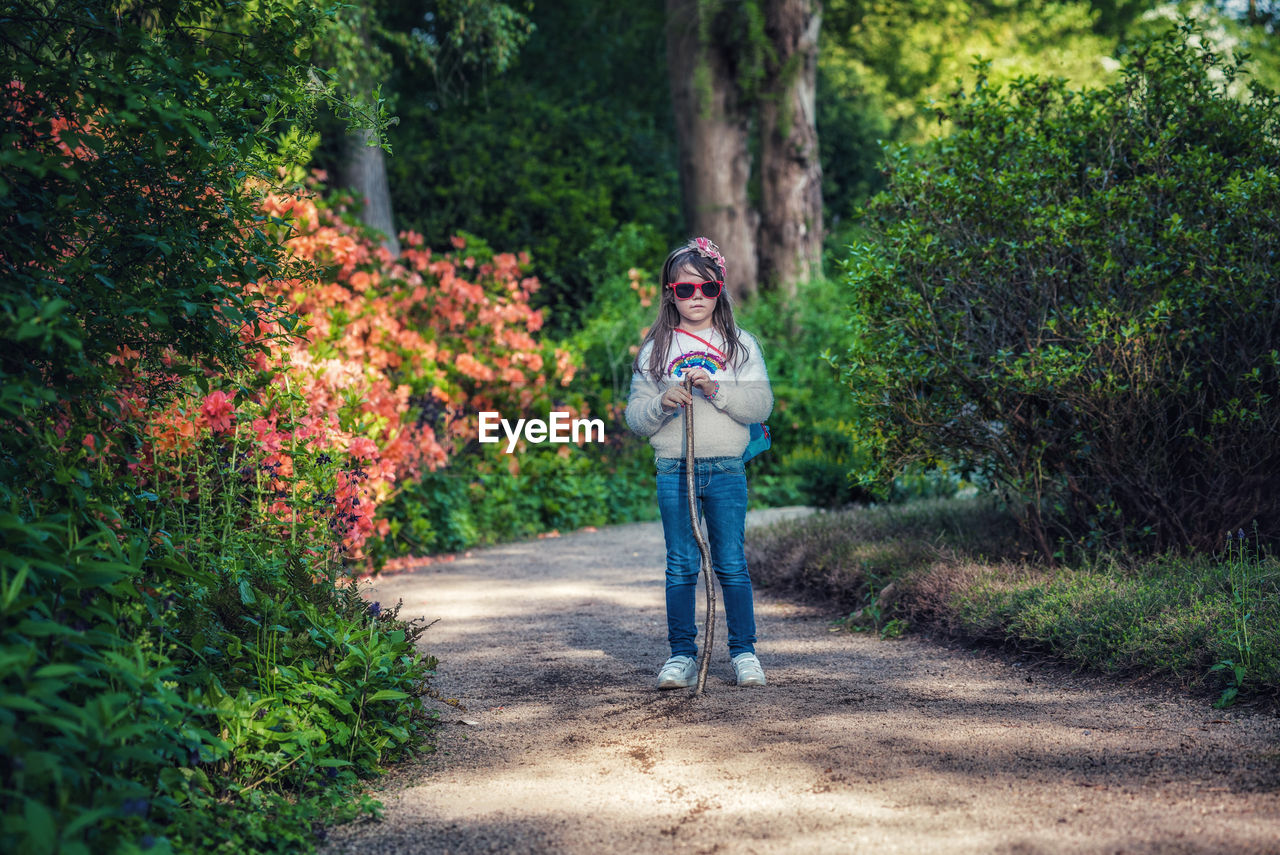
<point x="1073" y="295"/>
<point x="1242" y="562"/>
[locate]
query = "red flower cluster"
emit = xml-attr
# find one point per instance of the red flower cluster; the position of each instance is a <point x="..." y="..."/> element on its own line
<point x="397" y="357"/>
<point x="218" y="411"/>
<point x="390" y="341"/>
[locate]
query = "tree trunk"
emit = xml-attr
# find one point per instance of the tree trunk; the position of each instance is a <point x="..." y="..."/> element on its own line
<point x="712" y="130"/>
<point x="364" y="170"/>
<point x="791" y="229"/>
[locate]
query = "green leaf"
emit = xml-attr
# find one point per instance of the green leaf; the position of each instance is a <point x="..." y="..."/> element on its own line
<point x="22" y="702"/>
<point x="83" y="821"/>
<point x="333" y="762"/>
<point x="247" y="597"/>
<point x="388" y="695"/>
<point x="42" y="835"/>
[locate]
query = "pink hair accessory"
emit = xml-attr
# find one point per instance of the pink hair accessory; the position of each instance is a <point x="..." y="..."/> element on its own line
<point x="707" y="249"/>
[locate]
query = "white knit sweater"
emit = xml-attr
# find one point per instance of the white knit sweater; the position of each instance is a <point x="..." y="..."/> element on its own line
<point x="720" y="425"/>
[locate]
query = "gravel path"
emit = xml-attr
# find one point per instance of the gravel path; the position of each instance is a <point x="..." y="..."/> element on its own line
<point x="856" y="745"/>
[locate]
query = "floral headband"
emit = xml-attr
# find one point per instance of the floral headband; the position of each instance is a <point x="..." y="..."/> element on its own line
<point x="707" y="249"/>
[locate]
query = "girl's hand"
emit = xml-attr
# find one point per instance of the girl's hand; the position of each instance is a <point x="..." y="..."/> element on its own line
<point x="702" y="379"/>
<point x="675" y="398"/>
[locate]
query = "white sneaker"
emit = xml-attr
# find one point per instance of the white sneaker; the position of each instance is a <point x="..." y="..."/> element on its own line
<point x="679" y="672"/>
<point x="748" y="669"/>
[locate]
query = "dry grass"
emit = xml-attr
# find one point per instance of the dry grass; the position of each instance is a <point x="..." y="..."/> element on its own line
<point x="845" y="557"/>
<point x="957" y="570"/>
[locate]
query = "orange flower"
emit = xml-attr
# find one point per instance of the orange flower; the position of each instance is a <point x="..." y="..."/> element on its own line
<point x="218" y="410"/>
<point x="470" y="366"/>
<point x="123" y="355"/>
<point x="374" y="328"/>
<point x="565" y="366"/>
<point x="362" y="448"/>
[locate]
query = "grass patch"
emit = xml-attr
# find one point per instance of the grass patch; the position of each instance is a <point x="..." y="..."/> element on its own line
<point x="846" y="557"/>
<point x="1205" y="622"/>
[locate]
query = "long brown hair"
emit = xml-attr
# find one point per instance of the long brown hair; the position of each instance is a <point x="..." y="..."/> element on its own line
<point x="669" y="316"/>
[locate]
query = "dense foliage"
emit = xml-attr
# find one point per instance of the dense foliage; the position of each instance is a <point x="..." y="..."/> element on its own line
<point x="120" y="171"/>
<point x="568" y="146"/>
<point x="406" y="352"/>
<point x="252" y="485"/>
<point x="1074" y="296"/>
<point x="182" y="476"/>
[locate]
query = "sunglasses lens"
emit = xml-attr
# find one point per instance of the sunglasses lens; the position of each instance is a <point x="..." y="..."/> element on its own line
<point x="685" y="290"/>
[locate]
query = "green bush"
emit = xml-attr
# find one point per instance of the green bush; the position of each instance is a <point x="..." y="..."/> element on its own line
<point x="477" y="500"/>
<point x="624" y="288"/>
<point x="817" y="440"/>
<point x="1074" y="295"/>
<point x="822" y="466"/>
<point x="169" y="681"/>
<point x="810" y="454"/>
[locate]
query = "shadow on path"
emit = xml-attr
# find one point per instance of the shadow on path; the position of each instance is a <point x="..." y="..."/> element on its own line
<point x="856" y="744"/>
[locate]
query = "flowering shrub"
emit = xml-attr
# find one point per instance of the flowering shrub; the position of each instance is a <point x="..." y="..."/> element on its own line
<point x="201" y="414"/>
<point x="486" y="495"/>
<point x="255" y="486"/>
<point x="405" y="352"/>
<point x="393" y="360"/>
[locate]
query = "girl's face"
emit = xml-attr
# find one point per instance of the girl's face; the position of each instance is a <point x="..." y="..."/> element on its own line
<point x="696" y="310"/>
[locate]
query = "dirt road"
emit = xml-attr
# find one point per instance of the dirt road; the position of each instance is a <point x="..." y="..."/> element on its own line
<point x="856" y="745"/>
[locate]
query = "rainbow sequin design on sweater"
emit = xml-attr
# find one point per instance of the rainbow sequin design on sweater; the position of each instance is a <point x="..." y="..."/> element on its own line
<point x="712" y="362"/>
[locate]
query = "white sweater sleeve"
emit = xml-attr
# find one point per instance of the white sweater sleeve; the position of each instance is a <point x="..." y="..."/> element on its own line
<point x="748" y="397"/>
<point x="644" y="413"/>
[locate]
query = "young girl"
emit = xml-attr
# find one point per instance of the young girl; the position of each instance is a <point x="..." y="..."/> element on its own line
<point x="695" y="336"/>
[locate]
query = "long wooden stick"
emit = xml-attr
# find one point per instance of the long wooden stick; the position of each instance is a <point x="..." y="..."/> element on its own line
<point x="705" y="660"/>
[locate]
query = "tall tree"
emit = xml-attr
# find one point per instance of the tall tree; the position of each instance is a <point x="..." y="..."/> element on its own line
<point x="364" y="166"/>
<point x="713" y="131"/>
<point x="743" y="76"/>
<point x="454" y="39"/>
<point x="791" y="228"/>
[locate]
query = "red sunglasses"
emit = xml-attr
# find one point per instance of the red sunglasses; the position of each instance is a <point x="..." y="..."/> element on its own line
<point x="685" y="290"/>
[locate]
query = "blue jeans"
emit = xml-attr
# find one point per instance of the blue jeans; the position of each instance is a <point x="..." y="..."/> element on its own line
<point x="720" y="490"/>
